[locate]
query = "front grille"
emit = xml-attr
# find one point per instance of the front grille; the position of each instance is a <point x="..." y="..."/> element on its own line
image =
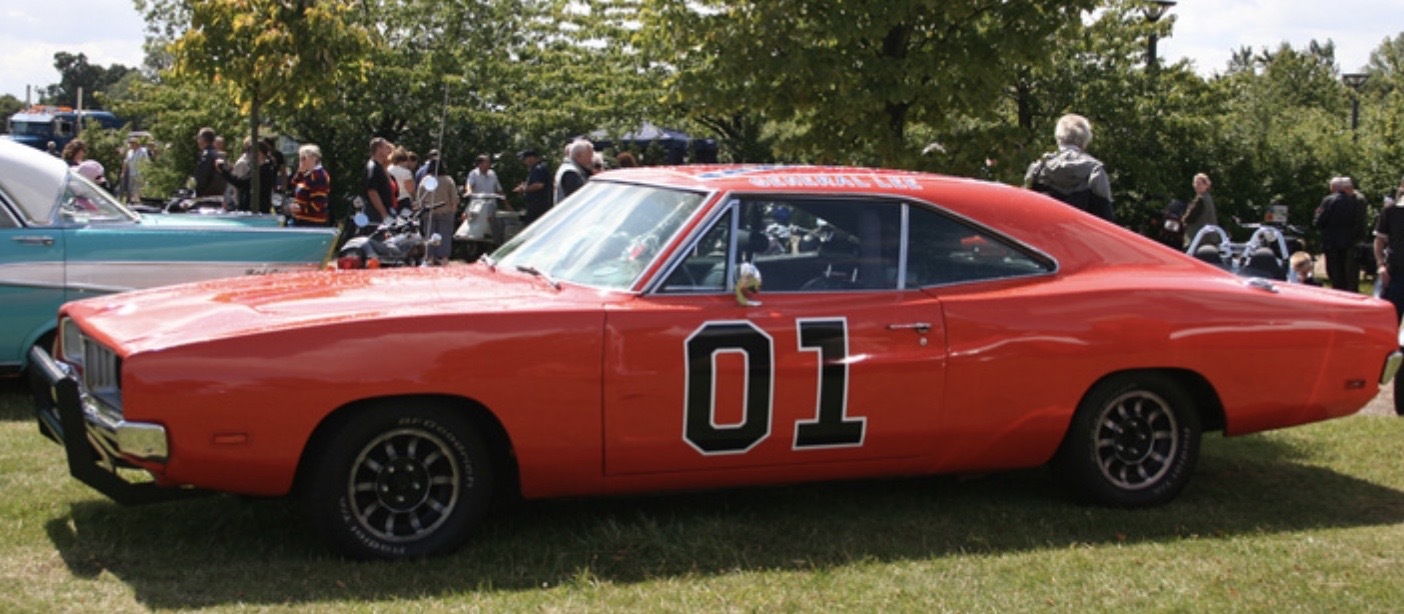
<point x="102" y="373"/>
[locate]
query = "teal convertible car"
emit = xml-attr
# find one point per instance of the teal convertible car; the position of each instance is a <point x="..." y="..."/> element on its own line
<point x="63" y="238"/>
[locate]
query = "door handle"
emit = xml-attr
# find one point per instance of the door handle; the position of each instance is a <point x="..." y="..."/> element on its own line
<point x="41" y="240"/>
<point x="920" y="327"/>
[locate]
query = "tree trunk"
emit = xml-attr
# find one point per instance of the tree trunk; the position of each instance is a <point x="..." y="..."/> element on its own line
<point x="255" y="202"/>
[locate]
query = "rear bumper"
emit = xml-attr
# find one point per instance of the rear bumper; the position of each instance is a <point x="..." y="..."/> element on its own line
<point x="96" y="442"/>
<point x="1391" y="367"/>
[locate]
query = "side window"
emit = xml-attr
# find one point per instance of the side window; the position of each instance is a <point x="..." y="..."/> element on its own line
<point x="942" y="250"/>
<point x="705" y="269"/>
<point x="801" y="245"/>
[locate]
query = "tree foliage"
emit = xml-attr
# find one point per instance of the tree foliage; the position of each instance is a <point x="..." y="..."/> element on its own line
<point x="75" y="75"/>
<point x="849" y="79"/>
<point x="964" y="87"/>
<point x="282" y="54"/>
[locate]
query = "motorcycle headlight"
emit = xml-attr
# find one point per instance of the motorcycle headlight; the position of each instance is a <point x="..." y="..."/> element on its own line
<point x="71" y="342"/>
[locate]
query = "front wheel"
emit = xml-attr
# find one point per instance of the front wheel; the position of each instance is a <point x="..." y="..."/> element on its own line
<point x="400" y="481"/>
<point x="1133" y="442"/>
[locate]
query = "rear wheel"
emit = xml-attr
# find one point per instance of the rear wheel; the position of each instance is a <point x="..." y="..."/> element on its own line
<point x="400" y="480"/>
<point x="1133" y="442"/>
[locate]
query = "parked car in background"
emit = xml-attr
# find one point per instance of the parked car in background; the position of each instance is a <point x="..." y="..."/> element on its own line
<point x="705" y="327"/>
<point x="63" y="238"/>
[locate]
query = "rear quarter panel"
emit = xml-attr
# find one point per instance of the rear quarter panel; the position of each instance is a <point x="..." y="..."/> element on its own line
<point x="1023" y="355"/>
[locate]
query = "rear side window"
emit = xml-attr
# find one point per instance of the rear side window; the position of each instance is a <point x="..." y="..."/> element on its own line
<point x="943" y="250"/>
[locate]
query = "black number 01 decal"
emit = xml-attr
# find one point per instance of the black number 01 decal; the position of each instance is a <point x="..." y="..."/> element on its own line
<point x="830" y="427"/>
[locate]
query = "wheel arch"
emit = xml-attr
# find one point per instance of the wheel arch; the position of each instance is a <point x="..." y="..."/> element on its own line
<point x="1206" y="399"/>
<point x="494" y="434"/>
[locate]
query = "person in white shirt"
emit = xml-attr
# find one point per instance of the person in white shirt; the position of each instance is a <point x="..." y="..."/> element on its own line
<point x="483" y="180"/>
<point x="131" y="169"/>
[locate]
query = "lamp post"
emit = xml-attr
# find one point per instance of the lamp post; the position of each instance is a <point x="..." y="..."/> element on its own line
<point x="1154" y="10"/>
<point x="1354" y="81"/>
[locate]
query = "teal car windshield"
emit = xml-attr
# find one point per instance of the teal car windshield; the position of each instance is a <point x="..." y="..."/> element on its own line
<point x="82" y="202"/>
<point x="603" y="236"/>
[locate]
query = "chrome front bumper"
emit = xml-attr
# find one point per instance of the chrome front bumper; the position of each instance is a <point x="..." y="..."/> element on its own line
<point x="96" y="440"/>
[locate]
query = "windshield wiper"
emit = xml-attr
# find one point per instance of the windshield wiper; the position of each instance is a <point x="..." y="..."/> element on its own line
<point x="487" y="260"/>
<point x="526" y="268"/>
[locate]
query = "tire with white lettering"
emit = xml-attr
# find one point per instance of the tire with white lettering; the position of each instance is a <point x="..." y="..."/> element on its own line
<point x="401" y="479"/>
<point x="1133" y="442"/>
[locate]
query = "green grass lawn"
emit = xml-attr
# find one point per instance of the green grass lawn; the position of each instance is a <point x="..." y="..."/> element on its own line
<point x="1307" y="519"/>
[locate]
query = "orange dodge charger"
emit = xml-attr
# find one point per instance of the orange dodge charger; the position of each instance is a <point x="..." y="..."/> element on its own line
<point x="704" y="327"/>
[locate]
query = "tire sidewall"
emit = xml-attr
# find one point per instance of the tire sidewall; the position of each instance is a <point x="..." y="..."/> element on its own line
<point x="333" y="512"/>
<point x="1078" y="463"/>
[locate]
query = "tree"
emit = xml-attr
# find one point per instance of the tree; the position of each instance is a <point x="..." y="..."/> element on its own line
<point x="174" y="109"/>
<point x="9" y="105"/>
<point x="848" y="79"/>
<point x="75" y="73"/>
<point x="281" y="53"/>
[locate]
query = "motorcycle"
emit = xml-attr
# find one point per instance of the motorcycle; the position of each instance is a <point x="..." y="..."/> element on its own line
<point x="1172" y="224"/>
<point x="395" y="242"/>
<point x="485" y="227"/>
<point x="1265" y="254"/>
<point x="184" y="201"/>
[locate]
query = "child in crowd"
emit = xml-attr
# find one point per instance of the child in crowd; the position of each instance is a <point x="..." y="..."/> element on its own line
<point x="1304" y="269"/>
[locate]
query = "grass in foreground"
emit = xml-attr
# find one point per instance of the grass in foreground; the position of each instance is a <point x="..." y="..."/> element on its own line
<point x="1308" y="519"/>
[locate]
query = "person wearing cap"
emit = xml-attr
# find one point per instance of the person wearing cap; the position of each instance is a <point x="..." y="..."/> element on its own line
<point x="537" y="187"/>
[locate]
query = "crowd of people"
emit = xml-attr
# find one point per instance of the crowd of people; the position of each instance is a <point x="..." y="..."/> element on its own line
<point x="391" y="180"/>
<point x="1073" y="176"/>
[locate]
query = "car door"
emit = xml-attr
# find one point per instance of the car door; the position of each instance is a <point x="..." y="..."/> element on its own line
<point x="833" y="361"/>
<point x="31" y="281"/>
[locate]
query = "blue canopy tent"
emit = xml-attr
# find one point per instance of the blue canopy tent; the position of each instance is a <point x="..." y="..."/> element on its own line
<point x="673" y="144"/>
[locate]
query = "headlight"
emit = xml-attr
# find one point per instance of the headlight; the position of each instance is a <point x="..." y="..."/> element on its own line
<point x="71" y="348"/>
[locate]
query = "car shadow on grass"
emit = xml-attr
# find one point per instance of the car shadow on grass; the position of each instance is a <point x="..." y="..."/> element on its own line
<point x="16" y="404"/>
<point x="227" y="550"/>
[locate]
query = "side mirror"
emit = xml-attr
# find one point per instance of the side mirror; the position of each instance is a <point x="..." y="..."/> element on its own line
<point x="429" y="183"/>
<point x="360" y="219"/>
<point x="748" y="285"/>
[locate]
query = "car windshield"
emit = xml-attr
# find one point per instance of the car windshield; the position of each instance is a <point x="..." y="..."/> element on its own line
<point x="605" y="235"/>
<point x="82" y="202"/>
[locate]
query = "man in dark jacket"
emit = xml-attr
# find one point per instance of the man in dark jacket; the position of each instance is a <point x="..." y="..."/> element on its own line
<point x="1389" y="253"/>
<point x="1069" y="174"/>
<point x="537" y="187"/>
<point x="1341" y="219"/>
<point x="208" y="182"/>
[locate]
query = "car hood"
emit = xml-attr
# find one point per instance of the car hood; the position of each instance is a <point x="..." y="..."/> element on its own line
<point x="208" y="311"/>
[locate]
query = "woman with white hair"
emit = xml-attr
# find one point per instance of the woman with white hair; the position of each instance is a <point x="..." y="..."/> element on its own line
<point x="1069" y="174"/>
<point x="310" y="187"/>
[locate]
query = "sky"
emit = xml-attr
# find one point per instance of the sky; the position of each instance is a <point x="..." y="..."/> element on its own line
<point x="1206" y="32"/>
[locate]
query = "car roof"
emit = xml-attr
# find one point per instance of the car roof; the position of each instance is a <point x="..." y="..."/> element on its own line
<point x="1073" y="237"/>
<point x="32" y="177"/>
